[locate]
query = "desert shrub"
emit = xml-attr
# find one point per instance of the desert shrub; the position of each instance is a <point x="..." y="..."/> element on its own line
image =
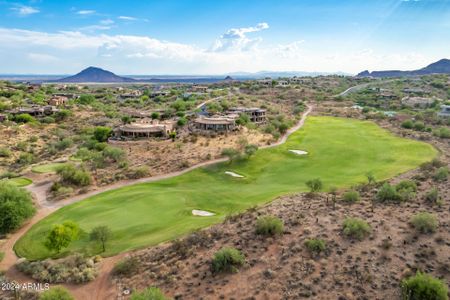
<point x="443" y="133"/>
<point x="387" y="193"/>
<point x="127" y="266"/>
<point x="102" y="133"/>
<point x="113" y="153"/>
<point x="2" y="255"/>
<point x="419" y="126"/>
<point x="424" y="287"/>
<point x="48" y="120"/>
<point x="139" y="172"/>
<point x="86" y="99"/>
<point x="16" y="206"/>
<point x="5" y="152"/>
<point x="424" y="222"/>
<point x="151" y="293"/>
<point x="227" y="260"/>
<point x="25" y="158"/>
<point x="356" y="228"/>
<point x="231" y="153"/>
<point x="182" y="121"/>
<point x="432" y="196"/>
<point x="24" y="118"/>
<point x="71" y="269"/>
<point x="315" y="246"/>
<point x="269" y="225"/>
<point x="314" y="185"/>
<point x="406" y="190"/>
<point x="56" y="293"/>
<point x="71" y="174"/>
<point x="64" y="144"/>
<point x="408" y="124"/>
<point x="441" y="174"/>
<point x="351" y="196"/>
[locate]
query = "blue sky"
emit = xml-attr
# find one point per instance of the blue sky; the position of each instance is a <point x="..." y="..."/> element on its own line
<point x="215" y="37"/>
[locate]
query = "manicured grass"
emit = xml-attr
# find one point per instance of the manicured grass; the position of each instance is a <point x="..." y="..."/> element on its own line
<point x="20" y="181"/>
<point x="47" y="168"/>
<point x="340" y="152"/>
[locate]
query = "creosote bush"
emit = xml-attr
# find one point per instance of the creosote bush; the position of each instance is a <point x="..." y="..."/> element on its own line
<point x="356" y="228"/>
<point x="423" y="286"/>
<point x="316" y="246"/>
<point x="269" y="225"/>
<point x="351" y="196"/>
<point x="71" y="269"/>
<point x="424" y="222"/>
<point x="227" y="260"/>
<point x="71" y="174"/>
<point x="127" y="266"/>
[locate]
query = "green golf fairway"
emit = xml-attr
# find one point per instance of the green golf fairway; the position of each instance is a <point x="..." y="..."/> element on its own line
<point x="340" y="153"/>
<point x="20" y="181"/>
<point x="47" y="168"/>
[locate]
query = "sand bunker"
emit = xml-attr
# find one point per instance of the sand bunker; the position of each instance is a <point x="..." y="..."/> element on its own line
<point x="202" y="213"/>
<point x="299" y="152"/>
<point x="234" y="174"/>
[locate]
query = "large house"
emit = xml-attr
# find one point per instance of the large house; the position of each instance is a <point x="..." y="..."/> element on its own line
<point x="445" y="111"/>
<point x="421" y="102"/>
<point x="145" y="128"/>
<point x="219" y="124"/>
<point x="57" y="100"/>
<point x="256" y="115"/>
<point x="35" y="111"/>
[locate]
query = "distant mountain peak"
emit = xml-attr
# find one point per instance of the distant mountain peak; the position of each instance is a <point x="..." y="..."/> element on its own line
<point x="95" y="74"/>
<point x="441" y="66"/>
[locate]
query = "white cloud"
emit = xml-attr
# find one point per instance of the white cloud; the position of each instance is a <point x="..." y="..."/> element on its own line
<point x="24" y="11"/>
<point x="127" y="18"/>
<point x="236" y="39"/>
<point x="86" y="12"/>
<point x="25" y="51"/>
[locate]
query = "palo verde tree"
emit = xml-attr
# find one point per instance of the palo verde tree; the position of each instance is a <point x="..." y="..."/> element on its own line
<point x="314" y="185"/>
<point x="61" y="235"/>
<point x="101" y="234"/>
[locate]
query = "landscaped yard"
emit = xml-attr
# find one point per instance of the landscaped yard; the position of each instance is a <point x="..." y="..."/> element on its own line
<point x="20" y="181"/>
<point x="340" y="152"/>
<point x="47" y="168"/>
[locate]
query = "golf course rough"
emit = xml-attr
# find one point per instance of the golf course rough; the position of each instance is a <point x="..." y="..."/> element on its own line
<point x="340" y="153"/>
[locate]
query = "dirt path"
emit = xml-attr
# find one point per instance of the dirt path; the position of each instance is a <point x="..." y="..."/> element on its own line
<point x="102" y="287"/>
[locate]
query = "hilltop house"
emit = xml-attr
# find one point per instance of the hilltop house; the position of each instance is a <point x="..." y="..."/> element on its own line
<point x="445" y="111"/>
<point x="421" y="102"/>
<point x="267" y="82"/>
<point x="57" y="100"/>
<point x="145" y="128"/>
<point x="199" y="88"/>
<point x="35" y="111"/>
<point x="256" y="115"/>
<point x="218" y="124"/>
<point x="282" y="83"/>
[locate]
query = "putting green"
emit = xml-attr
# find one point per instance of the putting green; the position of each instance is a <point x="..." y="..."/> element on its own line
<point x="340" y="152"/>
<point x="47" y="168"/>
<point x="20" y="181"/>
